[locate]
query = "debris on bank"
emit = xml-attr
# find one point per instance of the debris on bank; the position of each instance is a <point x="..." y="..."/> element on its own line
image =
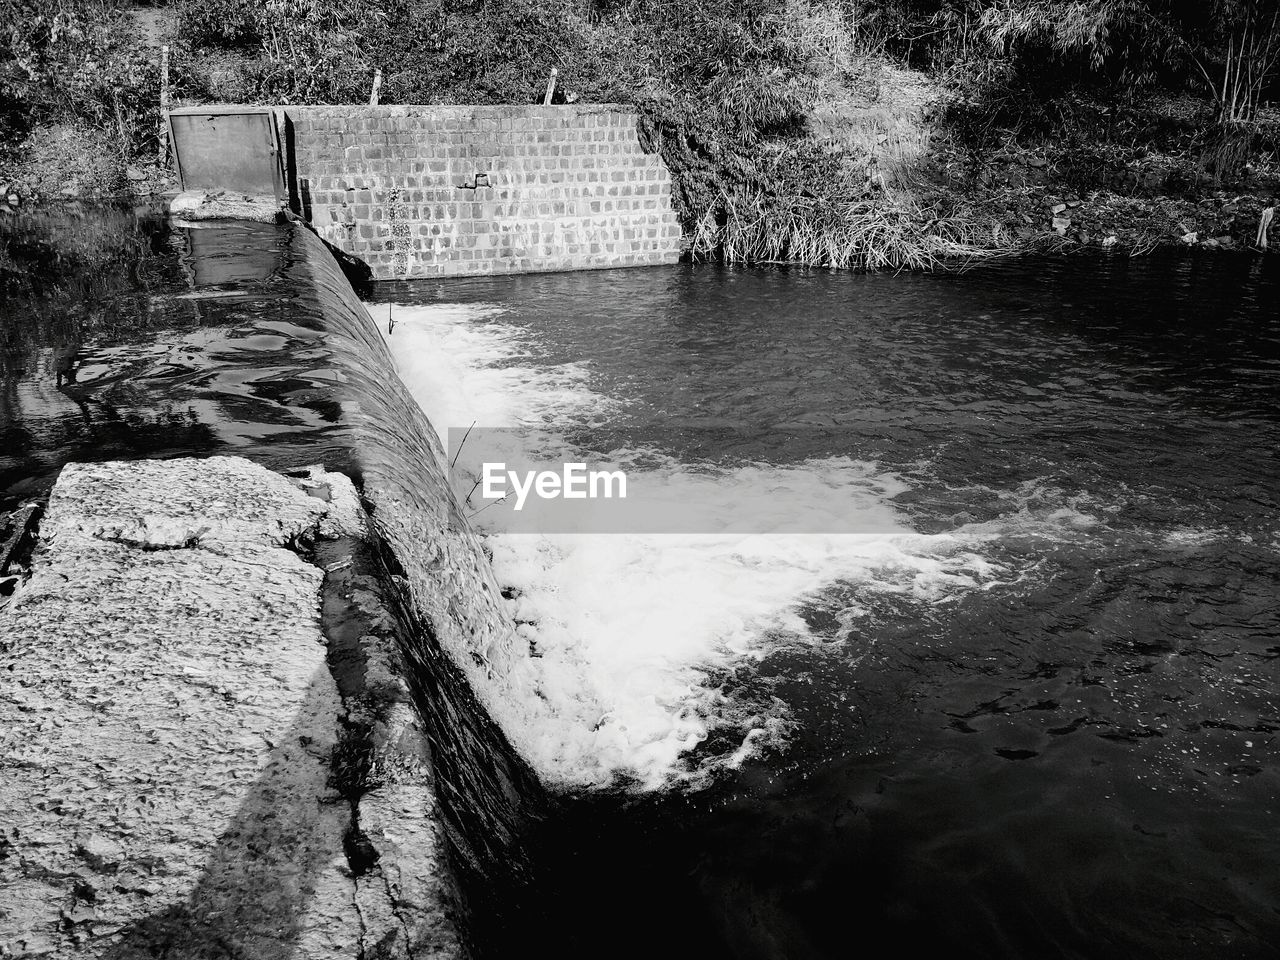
<point x="179" y="763"/>
<point x="17" y="538"/>
<point x="222" y="205"/>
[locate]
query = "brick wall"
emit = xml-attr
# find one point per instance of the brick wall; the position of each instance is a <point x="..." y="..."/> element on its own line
<point x="460" y="191"/>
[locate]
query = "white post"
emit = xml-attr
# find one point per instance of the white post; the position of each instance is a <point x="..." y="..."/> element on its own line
<point x="377" y="86"/>
<point x="551" y="86"/>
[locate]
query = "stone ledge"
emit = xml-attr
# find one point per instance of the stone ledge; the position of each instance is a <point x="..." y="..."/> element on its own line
<point x="175" y="752"/>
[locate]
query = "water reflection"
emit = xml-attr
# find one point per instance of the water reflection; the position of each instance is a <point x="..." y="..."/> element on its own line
<point x="126" y="337"/>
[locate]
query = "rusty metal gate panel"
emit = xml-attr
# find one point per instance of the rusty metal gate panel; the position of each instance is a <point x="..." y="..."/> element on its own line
<point x="232" y="148"/>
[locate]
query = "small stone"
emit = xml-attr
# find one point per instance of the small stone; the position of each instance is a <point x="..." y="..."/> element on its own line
<point x="102" y="853"/>
<point x="1110" y="241"/>
<point x="1037" y="162"/>
<point x="69" y="191"/>
<point x="81" y="913"/>
<point x="1059" y="208"/>
<point x="1061" y="225"/>
<point x="13" y="199"/>
<point x="1073" y="203"/>
<point x="31" y="945"/>
<point x="134" y="174"/>
<point x="1191" y="237"/>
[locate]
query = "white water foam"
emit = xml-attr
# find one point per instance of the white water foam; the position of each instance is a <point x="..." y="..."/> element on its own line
<point x="625" y="629"/>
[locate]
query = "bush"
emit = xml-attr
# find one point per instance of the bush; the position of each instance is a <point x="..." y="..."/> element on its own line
<point x="77" y="62"/>
<point x="68" y="158"/>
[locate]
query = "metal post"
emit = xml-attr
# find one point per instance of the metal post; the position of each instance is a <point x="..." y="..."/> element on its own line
<point x="551" y="86"/>
<point x="164" y="104"/>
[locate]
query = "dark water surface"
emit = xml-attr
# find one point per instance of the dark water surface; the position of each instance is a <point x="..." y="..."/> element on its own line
<point x="1079" y="762"/>
<point x="123" y="337"/>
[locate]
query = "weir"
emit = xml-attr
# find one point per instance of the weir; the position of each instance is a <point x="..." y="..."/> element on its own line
<point x="306" y="379"/>
<point x="439" y="191"/>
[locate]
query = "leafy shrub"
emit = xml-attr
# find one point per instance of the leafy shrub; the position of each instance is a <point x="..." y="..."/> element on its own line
<point x="68" y="156"/>
<point x="76" y="61"/>
<point x="223" y="24"/>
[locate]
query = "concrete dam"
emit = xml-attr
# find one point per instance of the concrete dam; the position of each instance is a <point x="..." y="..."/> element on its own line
<point x="347" y="642"/>
<point x="421" y="192"/>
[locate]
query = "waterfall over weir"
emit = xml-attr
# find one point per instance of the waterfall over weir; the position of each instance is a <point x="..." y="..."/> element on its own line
<point x="1031" y="713"/>
<point x="247" y="338"/>
<point x="447" y="589"/>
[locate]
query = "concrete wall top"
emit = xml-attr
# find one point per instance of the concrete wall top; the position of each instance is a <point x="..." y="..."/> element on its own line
<point x="567" y="111"/>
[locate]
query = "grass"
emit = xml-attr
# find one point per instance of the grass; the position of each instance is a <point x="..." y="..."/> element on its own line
<point x="875" y="234"/>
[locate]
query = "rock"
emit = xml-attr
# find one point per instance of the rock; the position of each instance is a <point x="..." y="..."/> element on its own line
<point x="70" y="191"/>
<point x="13" y="199"/>
<point x="1073" y="203"/>
<point x="1061" y="225"/>
<point x="17" y="531"/>
<point x="1191" y="237"/>
<point x="198" y="205"/>
<point x="1110" y="241"/>
<point x="1059" y="208"/>
<point x="80" y="913"/>
<point x="30" y="945"/>
<point x="1225" y="241"/>
<point x="1037" y="162"/>
<point x="135" y="175"/>
<point x="102" y="853"/>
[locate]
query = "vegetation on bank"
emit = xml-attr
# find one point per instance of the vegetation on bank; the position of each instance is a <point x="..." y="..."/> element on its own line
<point x="833" y="132"/>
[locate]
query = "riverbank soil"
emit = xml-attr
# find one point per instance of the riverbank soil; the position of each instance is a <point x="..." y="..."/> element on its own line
<point x="205" y="743"/>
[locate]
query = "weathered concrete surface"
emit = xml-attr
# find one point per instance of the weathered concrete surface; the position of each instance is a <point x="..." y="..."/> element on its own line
<point x="178" y="770"/>
<point x="195" y="205"/>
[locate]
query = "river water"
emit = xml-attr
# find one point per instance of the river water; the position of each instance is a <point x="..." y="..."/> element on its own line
<point x="1019" y="701"/>
<point x="958" y="630"/>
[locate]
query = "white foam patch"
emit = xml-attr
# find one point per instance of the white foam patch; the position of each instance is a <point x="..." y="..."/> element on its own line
<point x="463" y="366"/>
<point x="625" y="629"/>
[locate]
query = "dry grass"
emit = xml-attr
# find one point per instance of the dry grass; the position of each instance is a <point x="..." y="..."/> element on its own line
<point x="67" y="158"/>
<point x="875" y="234"/>
<point x="844" y="192"/>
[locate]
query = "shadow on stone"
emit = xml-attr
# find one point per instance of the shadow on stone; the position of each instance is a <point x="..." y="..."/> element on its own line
<point x="276" y="882"/>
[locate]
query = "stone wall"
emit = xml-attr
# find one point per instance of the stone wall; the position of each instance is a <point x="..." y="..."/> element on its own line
<point x="436" y="191"/>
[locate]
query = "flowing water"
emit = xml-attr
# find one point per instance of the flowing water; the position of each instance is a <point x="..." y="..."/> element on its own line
<point x="950" y="621"/>
<point x="1020" y="701"/>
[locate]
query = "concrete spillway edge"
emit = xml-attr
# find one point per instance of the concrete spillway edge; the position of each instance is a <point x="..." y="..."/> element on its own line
<point x="205" y="732"/>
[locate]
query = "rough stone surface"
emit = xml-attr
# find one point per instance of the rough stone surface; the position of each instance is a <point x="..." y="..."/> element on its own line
<point x="171" y="735"/>
<point x="429" y="191"/>
<point x="199" y="205"/>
